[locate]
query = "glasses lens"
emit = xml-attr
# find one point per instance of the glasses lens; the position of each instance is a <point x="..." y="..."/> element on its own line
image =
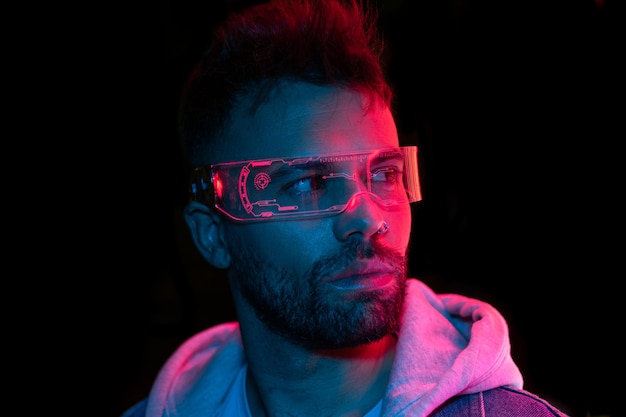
<point x="281" y="188"/>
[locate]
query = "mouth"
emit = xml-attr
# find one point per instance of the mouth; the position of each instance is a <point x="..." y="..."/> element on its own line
<point x="363" y="276"/>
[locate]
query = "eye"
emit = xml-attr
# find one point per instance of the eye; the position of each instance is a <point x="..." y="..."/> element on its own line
<point x="306" y="185"/>
<point x="389" y="175"/>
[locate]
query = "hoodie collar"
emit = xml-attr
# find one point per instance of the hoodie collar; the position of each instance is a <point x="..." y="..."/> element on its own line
<point x="447" y="345"/>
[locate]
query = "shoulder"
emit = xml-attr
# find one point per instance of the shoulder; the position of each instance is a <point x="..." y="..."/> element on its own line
<point x="137" y="410"/>
<point x="501" y="401"/>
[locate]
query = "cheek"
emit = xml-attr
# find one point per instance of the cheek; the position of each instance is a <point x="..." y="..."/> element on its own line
<point x="303" y="242"/>
<point x="290" y="244"/>
<point x="243" y="239"/>
<point x="400" y="228"/>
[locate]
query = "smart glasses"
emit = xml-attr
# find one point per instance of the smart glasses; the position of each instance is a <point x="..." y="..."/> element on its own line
<point x="307" y="187"/>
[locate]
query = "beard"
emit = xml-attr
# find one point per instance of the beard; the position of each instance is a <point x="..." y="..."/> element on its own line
<point x="311" y="313"/>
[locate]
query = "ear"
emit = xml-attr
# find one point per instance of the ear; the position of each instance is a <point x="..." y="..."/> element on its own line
<point x="207" y="232"/>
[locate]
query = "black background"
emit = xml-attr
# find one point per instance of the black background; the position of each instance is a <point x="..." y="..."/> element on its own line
<point x="514" y="106"/>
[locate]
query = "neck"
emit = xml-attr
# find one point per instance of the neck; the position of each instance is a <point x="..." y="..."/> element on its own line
<point x="284" y="379"/>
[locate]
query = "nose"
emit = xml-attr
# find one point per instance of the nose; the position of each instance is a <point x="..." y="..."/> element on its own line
<point x="362" y="215"/>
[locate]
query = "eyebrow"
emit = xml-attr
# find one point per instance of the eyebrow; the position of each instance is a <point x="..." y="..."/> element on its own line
<point x="383" y="159"/>
<point x="329" y="163"/>
<point x="290" y="168"/>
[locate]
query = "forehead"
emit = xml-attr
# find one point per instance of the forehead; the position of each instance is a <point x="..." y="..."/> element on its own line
<point x="304" y="119"/>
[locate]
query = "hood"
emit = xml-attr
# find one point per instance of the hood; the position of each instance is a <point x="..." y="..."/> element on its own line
<point x="198" y="375"/>
<point x="447" y="345"/>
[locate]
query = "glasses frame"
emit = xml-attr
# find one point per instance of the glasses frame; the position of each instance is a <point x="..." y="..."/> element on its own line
<point x="202" y="188"/>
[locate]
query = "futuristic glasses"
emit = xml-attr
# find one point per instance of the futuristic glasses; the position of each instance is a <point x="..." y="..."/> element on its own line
<point x="306" y="187"/>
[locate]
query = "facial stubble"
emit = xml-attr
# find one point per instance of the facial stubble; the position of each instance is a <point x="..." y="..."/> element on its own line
<point x="313" y="314"/>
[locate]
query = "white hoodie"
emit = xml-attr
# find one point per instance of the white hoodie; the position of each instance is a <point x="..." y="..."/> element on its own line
<point x="448" y="345"/>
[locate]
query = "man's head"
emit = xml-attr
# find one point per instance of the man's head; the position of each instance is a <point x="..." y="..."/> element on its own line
<point x="293" y="80"/>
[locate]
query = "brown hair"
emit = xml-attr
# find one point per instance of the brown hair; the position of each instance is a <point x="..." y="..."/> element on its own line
<point x="323" y="42"/>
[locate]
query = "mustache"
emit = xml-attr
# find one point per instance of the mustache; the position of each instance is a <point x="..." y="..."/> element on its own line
<point x="358" y="248"/>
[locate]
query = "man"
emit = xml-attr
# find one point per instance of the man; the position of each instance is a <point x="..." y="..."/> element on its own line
<point x="301" y="190"/>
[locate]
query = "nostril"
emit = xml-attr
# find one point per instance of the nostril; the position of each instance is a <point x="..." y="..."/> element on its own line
<point x="383" y="228"/>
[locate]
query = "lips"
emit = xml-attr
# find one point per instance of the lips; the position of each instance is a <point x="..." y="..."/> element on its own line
<point x="361" y="275"/>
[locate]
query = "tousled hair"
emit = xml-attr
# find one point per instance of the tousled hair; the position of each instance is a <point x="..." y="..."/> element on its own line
<point x="322" y="42"/>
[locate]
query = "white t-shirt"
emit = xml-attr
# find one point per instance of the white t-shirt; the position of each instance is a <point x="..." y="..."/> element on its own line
<point x="236" y="402"/>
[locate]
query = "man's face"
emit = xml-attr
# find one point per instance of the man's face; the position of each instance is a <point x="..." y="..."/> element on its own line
<point x="327" y="282"/>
